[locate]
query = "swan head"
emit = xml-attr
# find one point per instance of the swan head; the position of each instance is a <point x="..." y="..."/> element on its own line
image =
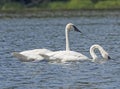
<point x="106" y="55"/>
<point x="71" y="26"/>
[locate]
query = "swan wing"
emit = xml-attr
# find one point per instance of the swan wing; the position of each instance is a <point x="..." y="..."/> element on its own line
<point x="30" y="55"/>
<point x="22" y="57"/>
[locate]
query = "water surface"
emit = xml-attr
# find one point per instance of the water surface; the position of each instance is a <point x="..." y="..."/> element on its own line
<point x="19" y="34"/>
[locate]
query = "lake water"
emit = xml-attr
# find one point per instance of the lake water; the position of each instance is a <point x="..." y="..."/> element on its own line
<point x="19" y="34"/>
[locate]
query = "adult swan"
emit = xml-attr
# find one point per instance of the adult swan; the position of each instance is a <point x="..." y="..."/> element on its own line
<point x="65" y="56"/>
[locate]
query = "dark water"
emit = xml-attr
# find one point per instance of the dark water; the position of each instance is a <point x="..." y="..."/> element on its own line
<point x="23" y="34"/>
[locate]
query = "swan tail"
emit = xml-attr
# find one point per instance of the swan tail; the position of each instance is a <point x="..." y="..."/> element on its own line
<point x="22" y="57"/>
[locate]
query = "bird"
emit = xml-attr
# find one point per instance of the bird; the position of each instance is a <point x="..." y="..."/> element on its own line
<point x="65" y="55"/>
<point x="30" y="55"/>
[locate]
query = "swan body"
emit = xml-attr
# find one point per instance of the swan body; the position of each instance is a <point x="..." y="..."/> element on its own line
<point x="30" y="55"/>
<point x="64" y="56"/>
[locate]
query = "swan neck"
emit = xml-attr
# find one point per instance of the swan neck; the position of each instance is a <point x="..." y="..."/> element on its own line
<point x="92" y="53"/>
<point x="102" y="51"/>
<point x="67" y="40"/>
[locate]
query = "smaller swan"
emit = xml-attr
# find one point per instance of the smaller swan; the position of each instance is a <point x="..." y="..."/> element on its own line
<point x="30" y="55"/>
<point x="104" y="54"/>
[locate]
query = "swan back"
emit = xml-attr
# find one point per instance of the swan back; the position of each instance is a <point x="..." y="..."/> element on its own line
<point x="104" y="54"/>
<point x="64" y="56"/>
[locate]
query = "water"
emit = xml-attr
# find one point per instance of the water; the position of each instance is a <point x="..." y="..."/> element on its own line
<point x="24" y="33"/>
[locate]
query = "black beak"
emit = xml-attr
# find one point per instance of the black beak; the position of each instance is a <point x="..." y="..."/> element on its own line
<point x="109" y="57"/>
<point x="76" y="29"/>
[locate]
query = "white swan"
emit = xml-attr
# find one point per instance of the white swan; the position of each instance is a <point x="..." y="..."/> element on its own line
<point x="30" y="55"/>
<point x="66" y="55"/>
<point x="104" y="54"/>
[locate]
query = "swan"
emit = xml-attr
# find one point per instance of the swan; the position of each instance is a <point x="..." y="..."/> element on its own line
<point x="30" y="55"/>
<point x="104" y="54"/>
<point x="65" y="55"/>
